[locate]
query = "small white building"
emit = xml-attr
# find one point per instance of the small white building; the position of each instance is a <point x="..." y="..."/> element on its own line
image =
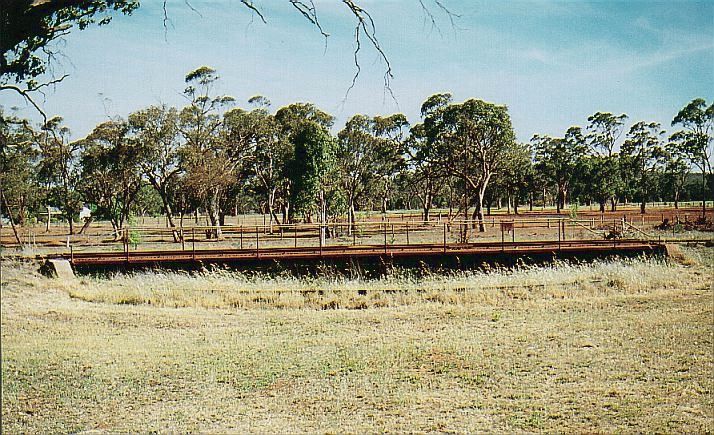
<point x="85" y="213"/>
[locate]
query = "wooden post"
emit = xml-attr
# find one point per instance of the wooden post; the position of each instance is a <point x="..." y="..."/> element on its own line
<point x="444" y="237"/>
<point x="319" y="236"/>
<point x="295" y="234"/>
<point x="407" y="232"/>
<point x="385" y="238"/>
<point x="183" y="241"/>
<point x="193" y="242"/>
<point x="241" y="237"/>
<point x="513" y="234"/>
<point x="257" y="241"/>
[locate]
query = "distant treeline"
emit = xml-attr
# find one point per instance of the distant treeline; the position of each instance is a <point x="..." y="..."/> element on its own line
<point x="214" y="158"/>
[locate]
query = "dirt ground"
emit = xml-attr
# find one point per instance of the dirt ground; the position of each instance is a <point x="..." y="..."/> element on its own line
<point x="401" y="227"/>
<point x="623" y="348"/>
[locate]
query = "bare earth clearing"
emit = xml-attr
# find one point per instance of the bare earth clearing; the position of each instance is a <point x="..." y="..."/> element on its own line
<point x="604" y="347"/>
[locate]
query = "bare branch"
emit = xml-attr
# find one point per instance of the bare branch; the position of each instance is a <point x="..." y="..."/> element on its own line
<point x="310" y="13"/>
<point x="25" y="94"/>
<point x="249" y="4"/>
<point x="367" y="26"/>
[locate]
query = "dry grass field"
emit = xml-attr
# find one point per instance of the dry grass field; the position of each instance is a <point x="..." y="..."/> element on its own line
<point x="605" y="347"/>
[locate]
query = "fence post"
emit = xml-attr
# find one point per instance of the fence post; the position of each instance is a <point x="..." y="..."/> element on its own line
<point x="444" y="237"/>
<point x="193" y="242"/>
<point x="295" y="234"/>
<point x="319" y="236"/>
<point x="407" y="232"/>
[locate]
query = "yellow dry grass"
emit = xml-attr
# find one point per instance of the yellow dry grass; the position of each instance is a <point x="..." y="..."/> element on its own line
<point x="605" y="347"/>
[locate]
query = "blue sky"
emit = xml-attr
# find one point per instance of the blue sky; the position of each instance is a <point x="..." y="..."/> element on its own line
<point x="553" y="63"/>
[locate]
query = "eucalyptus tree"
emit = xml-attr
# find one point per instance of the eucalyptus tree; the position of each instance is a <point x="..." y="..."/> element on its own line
<point x="312" y="173"/>
<point x="603" y="134"/>
<point x="111" y="171"/>
<point x="677" y="168"/>
<point x="424" y="173"/>
<point x="369" y="158"/>
<point x="19" y="156"/>
<point x="559" y="159"/>
<point x="209" y="163"/>
<point x="389" y="132"/>
<point x="357" y="159"/>
<point x="291" y="119"/>
<point x="516" y="173"/>
<point x="643" y="154"/>
<point x="155" y="135"/>
<point x="696" y="139"/>
<point x="59" y="169"/>
<point x="253" y="136"/>
<point x="473" y="140"/>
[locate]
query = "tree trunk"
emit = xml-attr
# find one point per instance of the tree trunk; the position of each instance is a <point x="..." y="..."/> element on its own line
<point x="9" y="216"/>
<point x="21" y="215"/>
<point x="613" y="204"/>
<point x="602" y="206"/>
<point x="286" y="213"/>
<point x="642" y="206"/>
<point x="271" y="206"/>
<point x="169" y="215"/>
<point x="426" y="205"/>
<point x="350" y="215"/>
<point x="704" y="189"/>
<point x="479" y="211"/>
<point x="321" y="218"/>
<point x="86" y="224"/>
<point x="213" y="215"/>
